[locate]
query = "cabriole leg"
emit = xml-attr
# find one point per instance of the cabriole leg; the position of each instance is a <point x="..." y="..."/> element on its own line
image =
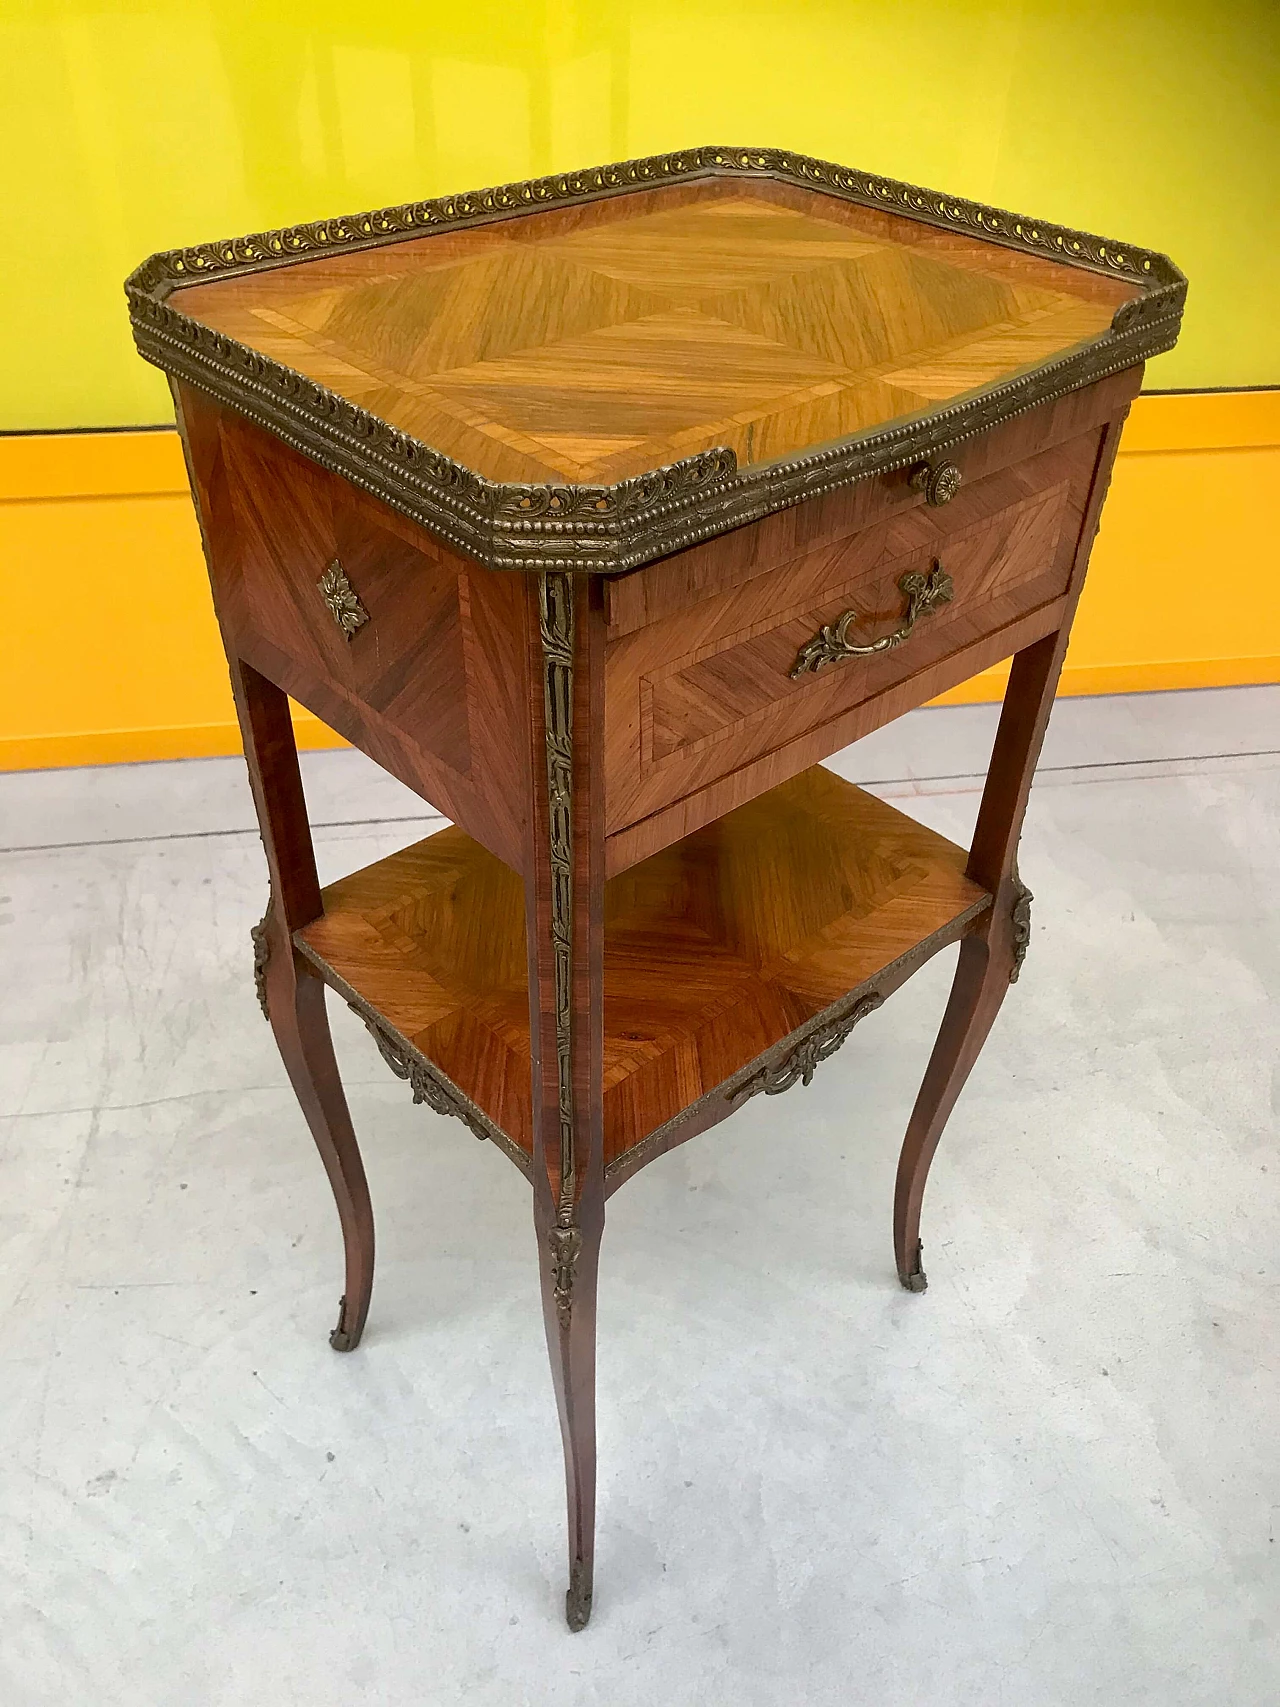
<point x="291" y="994"/>
<point x="295" y="1004"/>
<point x="988" y="963"/>
<point x="991" y="958"/>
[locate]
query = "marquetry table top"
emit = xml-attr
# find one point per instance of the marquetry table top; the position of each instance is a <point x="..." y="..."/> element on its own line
<point x="726" y="312"/>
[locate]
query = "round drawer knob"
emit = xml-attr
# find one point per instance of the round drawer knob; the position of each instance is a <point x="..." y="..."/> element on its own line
<point x="939" y="481"/>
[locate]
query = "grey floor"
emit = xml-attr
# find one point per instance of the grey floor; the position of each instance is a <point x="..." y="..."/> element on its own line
<point x="1051" y="1480"/>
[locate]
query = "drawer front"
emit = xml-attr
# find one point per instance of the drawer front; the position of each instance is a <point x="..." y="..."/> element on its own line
<point x="688" y="577"/>
<point x="710" y="689"/>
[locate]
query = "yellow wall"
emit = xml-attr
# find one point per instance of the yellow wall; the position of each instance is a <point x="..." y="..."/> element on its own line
<point x="131" y="127"/>
<point x="115" y="655"/>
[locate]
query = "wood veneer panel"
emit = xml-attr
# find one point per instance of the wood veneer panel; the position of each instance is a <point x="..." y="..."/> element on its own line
<point x="433" y="938"/>
<point x="687" y="813"/>
<point x="1004" y="559"/>
<point x="432" y="686"/>
<point x="673" y="583"/>
<point x="639" y="841"/>
<point x="714" y="951"/>
<point x="704" y="692"/>
<point x="594" y="343"/>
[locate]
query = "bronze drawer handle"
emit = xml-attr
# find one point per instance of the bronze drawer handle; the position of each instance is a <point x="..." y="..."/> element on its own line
<point x="831" y="643"/>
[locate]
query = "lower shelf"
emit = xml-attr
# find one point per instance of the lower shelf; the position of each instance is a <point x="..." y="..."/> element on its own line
<point x="778" y="920"/>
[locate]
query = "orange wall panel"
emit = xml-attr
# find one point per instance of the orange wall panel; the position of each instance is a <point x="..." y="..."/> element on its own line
<point x="112" y="652"/>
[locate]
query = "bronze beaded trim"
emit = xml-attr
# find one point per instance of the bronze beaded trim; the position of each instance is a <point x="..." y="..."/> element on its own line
<point x="580" y="529"/>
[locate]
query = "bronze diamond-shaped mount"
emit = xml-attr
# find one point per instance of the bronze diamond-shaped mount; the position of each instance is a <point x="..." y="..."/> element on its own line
<point x="340" y="596"/>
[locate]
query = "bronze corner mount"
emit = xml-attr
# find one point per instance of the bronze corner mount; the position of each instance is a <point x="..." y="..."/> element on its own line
<point x="261" y="956"/>
<point x="556" y="597"/>
<point x="1020" y="922"/>
<point x="565" y="1241"/>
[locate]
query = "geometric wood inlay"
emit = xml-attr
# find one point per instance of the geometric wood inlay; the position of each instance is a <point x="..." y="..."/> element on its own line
<point x="746" y="674"/>
<point x="595" y="342"/>
<point x="406" y="663"/>
<point x="700" y="693"/>
<point x="716" y="949"/>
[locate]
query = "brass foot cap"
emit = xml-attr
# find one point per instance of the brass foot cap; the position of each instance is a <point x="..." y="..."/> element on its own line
<point x="340" y="1339"/>
<point x="917" y="1280"/>
<point x="577" y="1599"/>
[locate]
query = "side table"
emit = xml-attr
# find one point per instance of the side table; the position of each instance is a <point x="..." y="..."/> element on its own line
<point x="598" y="510"/>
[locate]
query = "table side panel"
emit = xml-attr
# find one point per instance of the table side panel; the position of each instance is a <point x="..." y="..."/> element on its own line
<point x="433" y="939"/>
<point x="430" y="684"/>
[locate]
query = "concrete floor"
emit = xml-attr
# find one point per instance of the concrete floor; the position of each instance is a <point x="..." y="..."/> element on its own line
<point x="1051" y="1481"/>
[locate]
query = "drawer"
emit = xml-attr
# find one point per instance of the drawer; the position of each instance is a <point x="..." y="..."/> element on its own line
<point x="714" y="687"/>
<point x="687" y="577"/>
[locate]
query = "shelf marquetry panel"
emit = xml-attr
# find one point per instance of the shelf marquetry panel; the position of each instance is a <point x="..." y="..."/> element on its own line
<point x="716" y="949"/>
